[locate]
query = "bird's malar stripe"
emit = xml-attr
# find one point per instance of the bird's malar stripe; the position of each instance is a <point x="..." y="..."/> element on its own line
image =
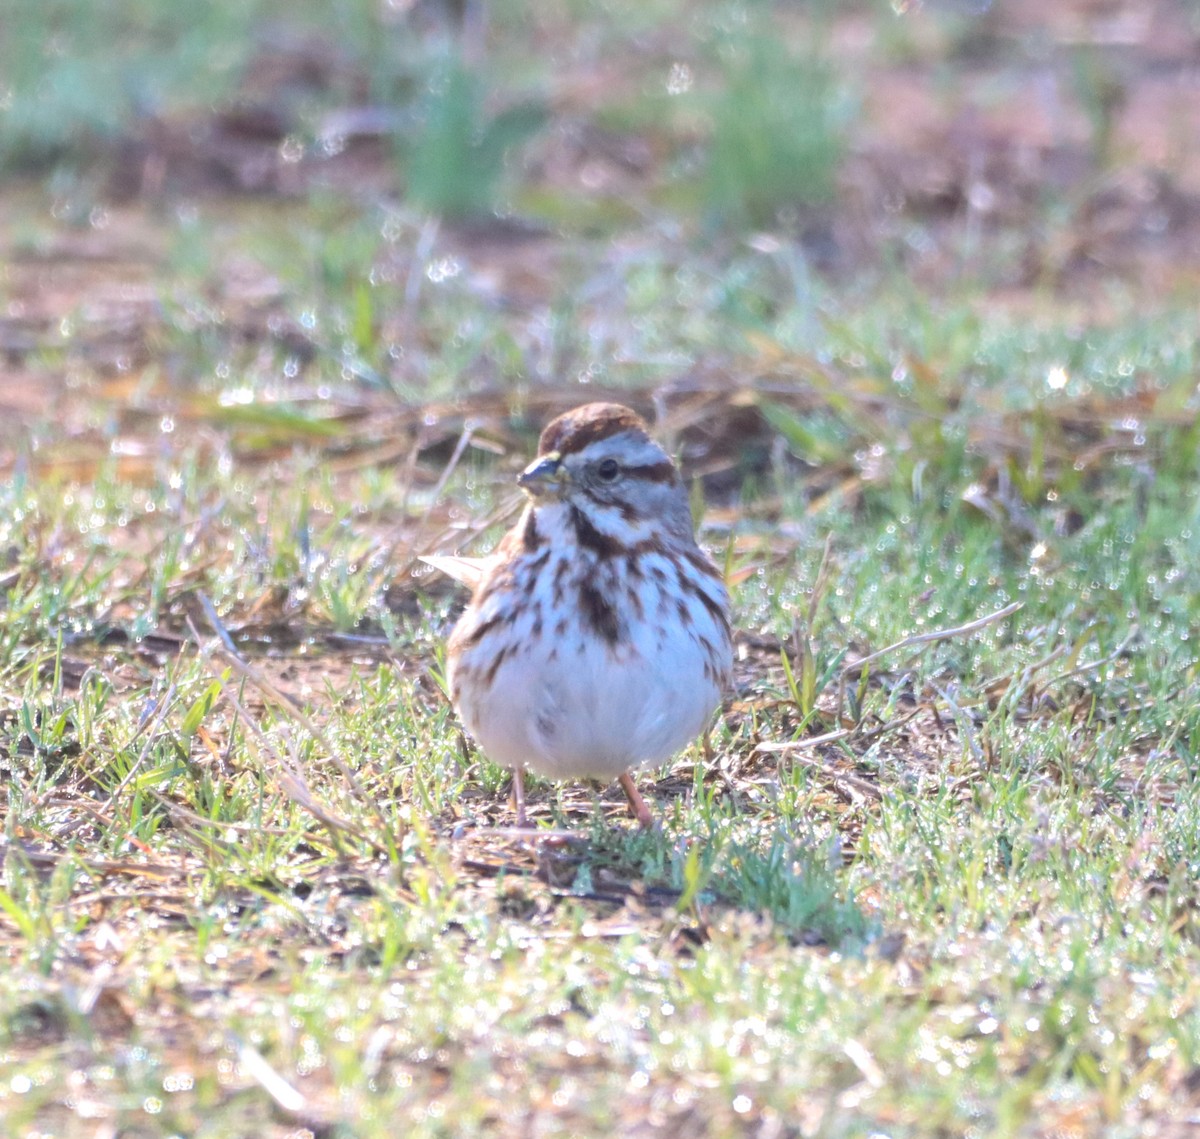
<point x="530" y="538"/>
<point x="601" y="544"/>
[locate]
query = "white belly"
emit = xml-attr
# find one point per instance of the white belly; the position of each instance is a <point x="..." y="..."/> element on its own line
<point x="574" y="706"/>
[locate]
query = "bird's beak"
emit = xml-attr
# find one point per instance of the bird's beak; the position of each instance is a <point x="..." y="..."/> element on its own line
<point x="545" y="477"/>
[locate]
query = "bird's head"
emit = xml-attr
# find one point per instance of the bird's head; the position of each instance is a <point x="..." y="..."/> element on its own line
<point x="601" y="460"/>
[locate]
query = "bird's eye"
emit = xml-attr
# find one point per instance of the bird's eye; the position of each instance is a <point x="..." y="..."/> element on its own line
<point x="608" y="470"/>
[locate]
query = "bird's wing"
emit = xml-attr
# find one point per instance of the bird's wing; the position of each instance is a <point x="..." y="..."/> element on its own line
<point x="469" y="571"/>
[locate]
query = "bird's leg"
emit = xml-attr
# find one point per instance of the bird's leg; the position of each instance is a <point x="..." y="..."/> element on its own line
<point x="518" y="790"/>
<point x="636" y="803"/>
<point x="523" y="829"/>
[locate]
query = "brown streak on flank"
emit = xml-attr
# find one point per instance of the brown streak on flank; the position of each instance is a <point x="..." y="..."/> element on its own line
<point x="715" y="609"/>
<point x="703" y="563"/>
<point x="500" y="578"/>
<point x="481" y="630"/>
<point x="717" y="663"/>
<point x="575" y="429"/>
<point x="490" y="676"/>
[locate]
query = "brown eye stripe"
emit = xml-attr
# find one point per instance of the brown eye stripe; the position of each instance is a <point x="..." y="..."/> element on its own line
<point x="654" y="472"/>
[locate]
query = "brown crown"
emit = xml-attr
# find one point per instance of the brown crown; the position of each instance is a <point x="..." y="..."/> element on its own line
<point x="576" y="429"/>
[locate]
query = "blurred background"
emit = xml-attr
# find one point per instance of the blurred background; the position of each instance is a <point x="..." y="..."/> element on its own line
<point x="441" y="201"/>
<point x="864" y="129"/>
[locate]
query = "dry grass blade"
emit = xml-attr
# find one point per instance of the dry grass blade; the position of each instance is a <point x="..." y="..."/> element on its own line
<point x="821" y="583"/>
<point x="403" y="551"/>
<point x="292" y="783"/>
<point x="501" y="514"/>
<point x="257" y="1068"/>
<point x="151" y="727"/>
<point x="854" y="788"/>
<point x="932" y="637"/>
<point x="1092" y="666"/>
<point x="48" y="860"/>
<point x="291" y="780"/>
<point x="808" y="743"/>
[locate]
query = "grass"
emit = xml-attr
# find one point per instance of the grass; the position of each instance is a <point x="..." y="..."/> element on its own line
<point x="778" y="132"/>
<point x="969" y="918"/>
<point x="68" y="87"/>
<point x="456" y="159"/>
<point x="249" y="877"/>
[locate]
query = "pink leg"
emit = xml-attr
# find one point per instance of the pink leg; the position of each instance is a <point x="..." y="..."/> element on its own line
<point x="636" y="803"/>
<point x="518" y="790"/>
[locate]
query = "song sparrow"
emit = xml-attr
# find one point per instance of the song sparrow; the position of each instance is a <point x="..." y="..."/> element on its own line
<point x="597" y="639"/>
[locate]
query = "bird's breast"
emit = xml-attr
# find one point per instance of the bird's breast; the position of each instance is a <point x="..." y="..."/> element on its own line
<point x="578" y="666"/>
